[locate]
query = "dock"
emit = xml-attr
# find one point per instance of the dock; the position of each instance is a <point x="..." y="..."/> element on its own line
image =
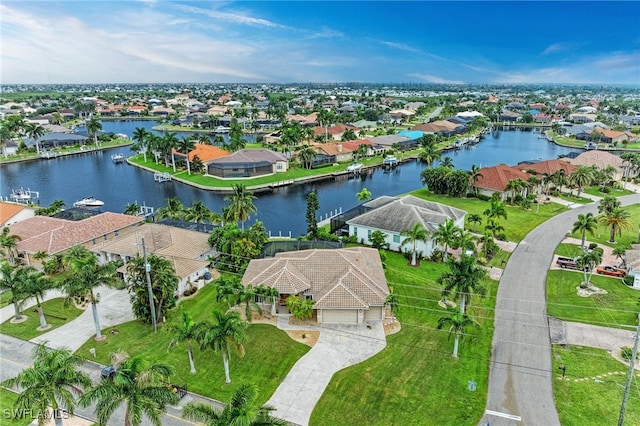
<point x="162" y="177"/>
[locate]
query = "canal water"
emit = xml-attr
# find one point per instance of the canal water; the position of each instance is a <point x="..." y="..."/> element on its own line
<point x="282" y="211"/>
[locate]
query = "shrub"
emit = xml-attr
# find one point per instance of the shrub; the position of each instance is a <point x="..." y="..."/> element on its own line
<point x="626" y="353"/>
<point x="628" y="280"/>
<point x="437" y="256"/>
<point x="501" y="236"/>
<point x="483" y="197"/>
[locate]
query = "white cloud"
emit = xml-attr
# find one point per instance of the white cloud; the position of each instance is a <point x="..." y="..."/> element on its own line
<point x="434" y="79"/>
<point x="232" y="17"/>
<point x="400" y="46"/>
<point x="326" y="33"/>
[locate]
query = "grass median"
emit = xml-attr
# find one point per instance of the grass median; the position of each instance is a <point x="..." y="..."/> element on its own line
<point x="55" y="312"/>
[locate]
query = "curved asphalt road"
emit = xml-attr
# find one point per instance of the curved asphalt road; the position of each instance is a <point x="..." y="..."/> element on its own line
<point x="520" y="378"/>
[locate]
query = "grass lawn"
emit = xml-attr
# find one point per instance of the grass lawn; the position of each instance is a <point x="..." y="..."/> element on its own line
<point x="500" y="259"/>
<point x="591" y="403"/>
<point x="519" y="221"/>
<point x="415" y="377"/>
<point x="595" y="190"/>
<point x="55" y="313"/>
<point x="568" y="250"/>
<point x="629" y="235"/>
<point x="7" y="399"/>
<point x="573" y="199"/>
<point x="5" y="297"/>
<point x="270" y="353"/>
<point x="618" y="307"/>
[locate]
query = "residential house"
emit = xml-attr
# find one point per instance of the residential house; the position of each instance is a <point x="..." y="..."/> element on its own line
<point x="509" y="116"/>
<point x="632" y="259"/>
<point x="611" y="136"/>
<point x="494" y="180"/>
<point x="53" y="235"/>
<point x="392" y="216"/>
<point x="387" y="141"/>
<point x="347" y="285"/>
<point x="548" y="166"/>
<point x="11" y="213"/>
<point x="329" y="153"/>
<point x="186" y="250"/>
<point x="582" y="118"/>
<point x="334" y="132"/>
<point x="600" y="159"/>
<point x="248" y="163"/>
<point x="444" y="127"/>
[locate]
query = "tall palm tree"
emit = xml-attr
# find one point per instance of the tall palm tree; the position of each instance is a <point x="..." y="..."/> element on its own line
<point x="306" y="155"/>
<point x="54" y="380"/>
<point x="458" y="323"/>
<point x="198" y="213"/>
<point x="493" y="226"/>
<point x="93" y="127"/>
<point x="35" y="131"/>
<point x="247" y="297"/>
<point x="137" y="384"/>
<point x="271" y="294"/>
<point x="464" y="240"/>
<point x="85" y="276"/>
<point x="617" y="220"/>
<point x="474" y="218"/>
<point x="464" y="278"/>
<point x="581" y="177"/>
<point x="620" y="251"/>
<point x="240" y="204"/>
<point x="587" y="262"/>
<point x="585" y="223"/>
<point x="364" y="195"/>
<point x="474" y="175"/>
<point x="447" y="162"/>
<point x="445" y="235"/>
<point x="608" y="204"/>
<point x="496" y="209"/>
<point x="132" y="209"/>
<point x="8" y="244"/>
<point x="140" y="135"/>
<point x="241" y="411"/>
<point x="36" y="285"/>
<point x="413" y="236"/>
<point x="430" y="155"/>
<point x="392" y="301"/>
<point x="185" y="331"/>
<point x="173" y="210"/>
<point x="226" y="331"/>
<point x="12" y="280"/>
<point x="228" y="289"/>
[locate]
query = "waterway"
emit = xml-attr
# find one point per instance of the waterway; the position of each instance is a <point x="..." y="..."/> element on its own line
<point x="282" y="211"/>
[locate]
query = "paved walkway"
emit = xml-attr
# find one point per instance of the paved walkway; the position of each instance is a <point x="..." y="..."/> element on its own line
<point x="520" y="378"/>
<point x="339" y="346"/>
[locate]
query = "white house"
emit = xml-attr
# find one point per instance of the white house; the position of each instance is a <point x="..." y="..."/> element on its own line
<point x="392" y="216"/>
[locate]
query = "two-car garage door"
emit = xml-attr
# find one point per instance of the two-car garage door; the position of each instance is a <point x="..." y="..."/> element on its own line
<point x="349" y="316"/>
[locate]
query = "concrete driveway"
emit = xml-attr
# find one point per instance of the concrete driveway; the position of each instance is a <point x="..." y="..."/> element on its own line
<point x="339" y="346"/>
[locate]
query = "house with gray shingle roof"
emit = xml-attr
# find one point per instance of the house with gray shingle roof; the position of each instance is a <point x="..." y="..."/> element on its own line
<point x="392" y="216"/>
<point x="248" y="163"/>
<point x="347" y="285"/>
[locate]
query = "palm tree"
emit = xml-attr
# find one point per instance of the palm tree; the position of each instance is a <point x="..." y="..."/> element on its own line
<point x="185" y="331"/>
<point x="464" y="240"/>
<point x="458" y="323"/>
<point x="430" y="155"/>
<point x="364" y="195"/>
<point x="585" y="223"/>
<point x="247" y="297"/>
<point x="446" y="234"/>
<point x="306" y="155"/>
<point x="463" y="279"/>
<point x="412" y="236"/>
<point x="617" y="220"/>
<point x="35" y="131"/>
<point x="5" y="135"/>
<point x="581" y="177"/>
<point x="474" y="176"/>
<point x="198" y="213"/>
<point x="496" y="209"/>
<point x="53" y="380"/>
<point x="132" y="209"/>
<point x="514" y="186"/>
<point x="240" y="204"/>
<point x="587" y="262"/>
<point x="241" y="411"/>
<point x="608" y="204"/>
<point x="140" y="386"/>
<point x="228" y="289"/>
<point x="474" y="218"/>
<point x="85" y="276"/>
<point x="12" y="279"/>
<point x="271" y="294"/>
<point x="620" y="251"/>
<point x="140" y="135"/>
<point x="36" y="285"/>
<point x="393" y="302"/>
<point x="93" y="127"/>
<point x="493" y="226"/>
<point x="447" y="162"/>
<point x="173" y="210"/>
<point x="8" y="244"/>
<point x="227" y="330"/>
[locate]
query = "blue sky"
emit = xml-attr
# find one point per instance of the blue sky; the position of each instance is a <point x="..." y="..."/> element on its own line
<point x="332" y="41"/>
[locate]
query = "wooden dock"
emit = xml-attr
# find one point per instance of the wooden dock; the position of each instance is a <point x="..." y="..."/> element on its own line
<point x="162" y="177"/>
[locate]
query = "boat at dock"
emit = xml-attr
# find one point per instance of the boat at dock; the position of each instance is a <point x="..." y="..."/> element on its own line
<point x="88" y="201"/>
<point x="355" y="168"/>
<point x="389" y="161"/>
<point x="162" y="177"/>
<point x="24" y="196"/>
<point x="222" y="129"/>
<point x="117" y="158"/>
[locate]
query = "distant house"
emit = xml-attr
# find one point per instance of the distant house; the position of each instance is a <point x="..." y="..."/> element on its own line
<point x="186" y="250"/>
<point x="387" y="141"/>
<point x="347" y="285"/>
<point x="329" y="153"/>
<point x="600" y="159"/>
<point x="494" y="180"/>
<point x="392" y="216"/>
<point x="582" y="118"/>
<point x="443" y="127"/>
<point x="11" y="213"/>
<point x="548" y="166"/>
<point x="53" y="235"/>
<point x="632" y="258"/>
<point x="54" y="140"/>
<point x="509" y="116"/>
<point x="612" y="136"/>
<point x="248" y="163"/>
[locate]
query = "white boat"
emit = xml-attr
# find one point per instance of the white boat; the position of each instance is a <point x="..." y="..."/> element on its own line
<point x="222" y="129"/>
<point x="88" y="202"/>
<point x="117" y="158"/>
<point x="390" y="161"/>
<point x="355" y="167"/>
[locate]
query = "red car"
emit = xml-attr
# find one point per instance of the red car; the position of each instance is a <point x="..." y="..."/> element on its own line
<point x="611" y="271"/>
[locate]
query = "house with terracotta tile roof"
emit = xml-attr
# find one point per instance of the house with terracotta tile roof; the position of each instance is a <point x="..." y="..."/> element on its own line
<point x="248" y="163"/>
<point x="53" y="235"/>
<point x="334" y="132"/>
<point x="600" y="159"/>
<point x="494" y="180"/>
<point x="347" y="285"/>
<point x="203" y="151"/>
<point x="185" y="249"/>
<point x="11" y="213"/>
<point x="611" y="136"/>
<point x="444" y="127"/>
<point x="547" y="166"/>
<point x="392" y="216"/>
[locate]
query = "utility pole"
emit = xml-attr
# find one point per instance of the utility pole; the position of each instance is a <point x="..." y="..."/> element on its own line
<point x="147" y="270"/>
<point x="632" y="363"/>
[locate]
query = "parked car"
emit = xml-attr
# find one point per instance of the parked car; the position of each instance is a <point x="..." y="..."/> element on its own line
<point x="567" y="262"/>
<point x="108" y="372"/>
<point x="612" y="271"/>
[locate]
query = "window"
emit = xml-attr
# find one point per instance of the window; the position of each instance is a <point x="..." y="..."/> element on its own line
<point x="396" y="239"/>
<point x="308" y="296"/>
<point x="355" y="230"/>
<point x="369" y="233"/>
<point x="105" y="238"/>
<point x="94" y="241"/>
<point x="115" y="233"/>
